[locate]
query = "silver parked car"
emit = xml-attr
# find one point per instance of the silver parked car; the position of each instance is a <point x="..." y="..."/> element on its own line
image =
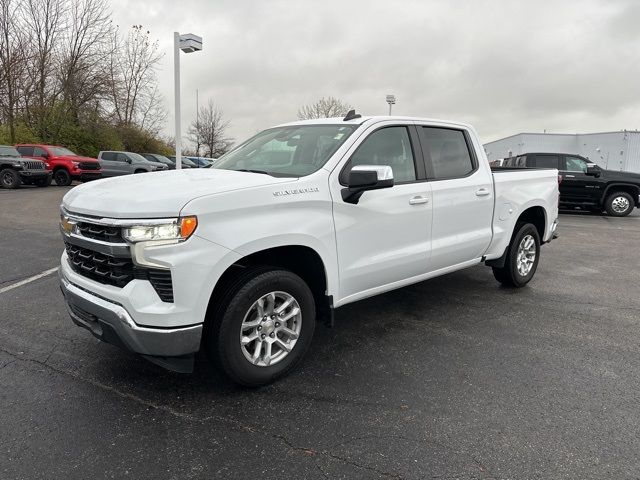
<point x="115" y="163"/>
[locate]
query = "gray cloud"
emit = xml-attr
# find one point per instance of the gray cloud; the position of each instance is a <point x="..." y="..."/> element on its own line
<point x="569" y="66"/>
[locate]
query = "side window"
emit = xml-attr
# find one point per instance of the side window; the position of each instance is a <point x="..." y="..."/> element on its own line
<point x="547" y="161"/>
<point x="121" y="157"/>
<point x="575" y="164"/>
<point x="39" y="152"/>
<point x="109" y="156"/>
<point x="449" y="152"/>
<point x="387" y="146"/>
<point x="522" y="161"/>
<point x="26" y="151"/>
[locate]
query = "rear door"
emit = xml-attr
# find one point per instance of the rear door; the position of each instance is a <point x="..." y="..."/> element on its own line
<point x="462" y="192"/>
<point x="108" y="163"/>
<point x="576" y="186"/>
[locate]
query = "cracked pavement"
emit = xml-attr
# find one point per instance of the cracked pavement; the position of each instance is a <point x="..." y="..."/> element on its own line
<point x="451" y="378"/>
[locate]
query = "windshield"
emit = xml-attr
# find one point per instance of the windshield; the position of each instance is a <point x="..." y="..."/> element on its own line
<point x="293" y="151"/>
<point x="62" y="152"/>
<point x="8" y="152"/>
<point x="160" y="158"/>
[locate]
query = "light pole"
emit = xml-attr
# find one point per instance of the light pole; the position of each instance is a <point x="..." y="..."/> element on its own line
<point x="188" y="43"/>
<point x="391" y="100"/>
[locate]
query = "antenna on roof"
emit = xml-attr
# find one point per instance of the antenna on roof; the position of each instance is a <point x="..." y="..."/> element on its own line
<point x="351" y="114"/>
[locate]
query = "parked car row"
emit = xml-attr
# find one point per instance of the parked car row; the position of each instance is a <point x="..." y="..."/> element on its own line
<point x="37" y="164"/>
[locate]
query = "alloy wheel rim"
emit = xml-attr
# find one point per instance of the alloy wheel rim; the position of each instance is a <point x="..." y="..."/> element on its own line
<point x="526" y="255"/>
<point x="7" y="178"/>
<point x="271" y="328"/>
<point x="620" y="204"/>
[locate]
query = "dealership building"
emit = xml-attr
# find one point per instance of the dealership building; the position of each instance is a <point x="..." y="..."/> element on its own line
<point x="611" y="150"/>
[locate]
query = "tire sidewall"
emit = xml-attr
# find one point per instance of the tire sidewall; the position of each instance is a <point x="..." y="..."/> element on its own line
<point x="612" y="197"/>
<point x="65" y="179"/>
<point x="519" y="280"/>
<point x="16" y="178"/>
<point x="229" y="351"/>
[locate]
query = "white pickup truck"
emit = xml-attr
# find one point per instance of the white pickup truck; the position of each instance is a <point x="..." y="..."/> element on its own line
<point x="243" y="258"/>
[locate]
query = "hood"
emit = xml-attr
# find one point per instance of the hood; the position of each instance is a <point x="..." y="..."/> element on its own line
<point x="76" y="158"/>
<point x="621" y="174"/>
<point x="157" y="194"/>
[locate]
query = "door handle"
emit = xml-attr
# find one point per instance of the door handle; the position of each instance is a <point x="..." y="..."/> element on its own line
<point x="418" y="199"/>
<point x="483" y="192"/>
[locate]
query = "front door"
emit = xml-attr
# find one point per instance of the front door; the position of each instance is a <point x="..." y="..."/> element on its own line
<point x="577" y="187"/>
<point x="385" y="237"/>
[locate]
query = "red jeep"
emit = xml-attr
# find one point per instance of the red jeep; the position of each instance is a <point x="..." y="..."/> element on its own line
<point x="65" y="165"/>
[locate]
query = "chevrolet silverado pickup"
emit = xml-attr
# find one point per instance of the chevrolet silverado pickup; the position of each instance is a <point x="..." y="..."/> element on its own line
<point x="241" y="259"/>
<point x="586" y="185"/>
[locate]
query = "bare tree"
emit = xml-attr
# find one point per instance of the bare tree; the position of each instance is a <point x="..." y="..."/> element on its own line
<point x="326" y="107"/>
<point x="12" y="62"/>
<point x="209" y="131"/>
<point x="43" y="23"/>
<point x="134" y="93"/>
<point x="85" y="56"/>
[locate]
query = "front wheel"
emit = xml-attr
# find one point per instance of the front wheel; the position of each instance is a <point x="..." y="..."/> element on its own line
<point x="62" y="178"/>
<point x="263" y="327"/>
<point x="619" y="204"/>
<point x="9" y="178"/>
<point x="522" y="257"/>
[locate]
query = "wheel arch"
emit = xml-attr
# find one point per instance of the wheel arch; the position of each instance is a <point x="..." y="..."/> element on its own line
<point x="629" y="188"/>
<point x="302" y="260"/>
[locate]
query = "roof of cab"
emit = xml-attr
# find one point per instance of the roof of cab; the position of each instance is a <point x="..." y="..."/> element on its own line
<point x="372" y="119"/>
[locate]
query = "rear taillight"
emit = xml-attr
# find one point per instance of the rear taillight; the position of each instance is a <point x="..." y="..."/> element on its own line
<point x="559" y="179"/>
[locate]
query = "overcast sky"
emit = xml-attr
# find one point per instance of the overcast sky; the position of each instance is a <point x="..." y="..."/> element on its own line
<point x="504" y="66"/>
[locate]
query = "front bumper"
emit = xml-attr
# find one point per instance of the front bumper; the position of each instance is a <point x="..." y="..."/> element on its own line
<point x="110" y="322"/>
<point x="86" y="176"/>
<point x="30" y="175"/>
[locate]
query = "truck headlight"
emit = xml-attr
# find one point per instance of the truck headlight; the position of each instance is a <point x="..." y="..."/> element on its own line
<point x="179" y="230"/>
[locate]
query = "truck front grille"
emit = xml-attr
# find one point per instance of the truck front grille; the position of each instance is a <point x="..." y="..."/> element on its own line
<point x="89" y="166"/>
<point x="118" y="271"/>
<point x="105" y="233"/>
<point x="33" y="165"/>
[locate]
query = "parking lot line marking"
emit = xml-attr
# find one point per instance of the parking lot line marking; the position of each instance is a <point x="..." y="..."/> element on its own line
<point x="28" y="280"/>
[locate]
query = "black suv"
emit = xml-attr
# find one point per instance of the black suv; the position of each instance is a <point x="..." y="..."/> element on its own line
<point x="586" y="185"/>
<point x="15" y="170"/>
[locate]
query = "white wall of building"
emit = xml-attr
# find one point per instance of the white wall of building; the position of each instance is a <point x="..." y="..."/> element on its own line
<point x="611" y="150"/>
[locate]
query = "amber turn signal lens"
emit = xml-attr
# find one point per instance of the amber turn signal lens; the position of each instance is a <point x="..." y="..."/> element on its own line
<point x="188" y="226"/>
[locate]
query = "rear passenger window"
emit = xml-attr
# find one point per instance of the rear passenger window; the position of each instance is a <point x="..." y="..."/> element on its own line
<point x="449" y="152"/>
<point x="39" y="152"/>
<point x="27" y="151"/>
<point x="547" y="161"/>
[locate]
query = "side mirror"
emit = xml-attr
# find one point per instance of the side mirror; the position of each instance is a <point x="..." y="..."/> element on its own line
<point x="366" y="177"/>
<point x="593" y="170"/>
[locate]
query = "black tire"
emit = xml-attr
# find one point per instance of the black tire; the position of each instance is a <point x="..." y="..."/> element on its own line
<point x="43" y="182"/>
<point x="222" y="340"/>
<point x="616" y="202"/>
<point x="509" y="275"/>
<point x="62" y="178"/>
<point x="140" y="171"/>
<point x="9" y="178"/>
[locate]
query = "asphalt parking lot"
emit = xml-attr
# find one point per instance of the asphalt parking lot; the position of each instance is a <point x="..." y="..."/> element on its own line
<point x="451" y="378"/>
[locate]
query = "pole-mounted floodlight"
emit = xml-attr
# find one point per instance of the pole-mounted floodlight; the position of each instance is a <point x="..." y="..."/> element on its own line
<point x="391" y="100"/>
<point x="188" y="43"/>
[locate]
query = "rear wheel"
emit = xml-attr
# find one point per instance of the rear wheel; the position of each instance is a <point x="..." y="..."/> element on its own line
<point x="62" y="178"/>
<point x="522" y="257"/>
<point x="9" y="178"/>
<point x="262" y="327"/>
<point x="619" y="204"/>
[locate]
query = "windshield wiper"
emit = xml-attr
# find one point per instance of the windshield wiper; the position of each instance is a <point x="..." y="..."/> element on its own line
<point x="253" y="171"/>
